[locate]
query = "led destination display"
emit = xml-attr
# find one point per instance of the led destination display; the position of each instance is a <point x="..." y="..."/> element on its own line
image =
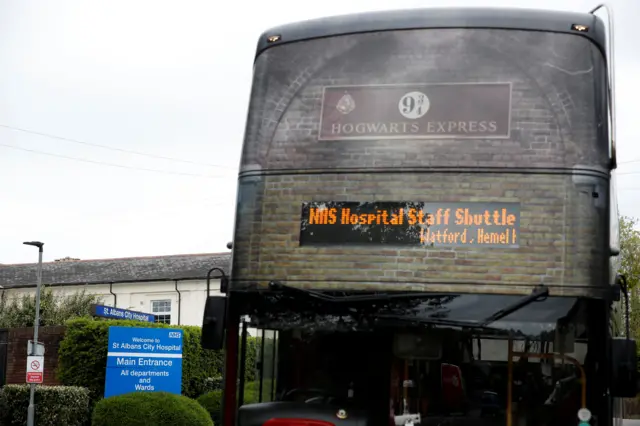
<point x="410" y="223"/>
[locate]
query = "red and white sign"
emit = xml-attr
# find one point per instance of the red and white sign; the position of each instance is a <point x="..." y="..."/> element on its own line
<point x="35" y="369"/>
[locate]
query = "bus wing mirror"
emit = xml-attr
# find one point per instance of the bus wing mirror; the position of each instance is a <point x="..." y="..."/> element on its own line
<point x="624" y="368"/>
<point x="214" y="322"/>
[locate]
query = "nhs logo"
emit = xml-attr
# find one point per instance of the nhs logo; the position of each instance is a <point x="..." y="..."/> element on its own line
<point x="174" y="335"/>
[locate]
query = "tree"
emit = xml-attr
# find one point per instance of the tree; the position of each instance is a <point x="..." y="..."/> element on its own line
<point x="630" y="250"/>
<point x="630" y="267"/>
<point x="54" y="309"/>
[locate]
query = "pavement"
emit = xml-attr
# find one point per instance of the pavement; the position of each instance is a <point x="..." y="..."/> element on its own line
<point x="631" y="422"/>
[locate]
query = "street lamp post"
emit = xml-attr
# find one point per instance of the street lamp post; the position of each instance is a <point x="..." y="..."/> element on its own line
<point x="31" y="412"/>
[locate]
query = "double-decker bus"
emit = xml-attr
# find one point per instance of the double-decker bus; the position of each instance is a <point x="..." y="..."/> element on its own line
<point x="426" y="225"/>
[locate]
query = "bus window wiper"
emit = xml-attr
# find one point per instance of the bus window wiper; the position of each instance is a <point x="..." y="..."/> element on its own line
<point x="540" y="291"/>
<point x="357" y="298"/>
<point x="436" y="321"/>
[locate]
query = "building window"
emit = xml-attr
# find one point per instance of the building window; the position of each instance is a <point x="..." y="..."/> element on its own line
<point x="162" y="310"/>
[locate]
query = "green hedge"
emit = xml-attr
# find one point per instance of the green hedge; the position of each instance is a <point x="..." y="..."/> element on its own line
<point x="55" y="405"/>
<point x="212" y="401"/>
<point x="83" y="356"/>
<point x="149" y="408"/>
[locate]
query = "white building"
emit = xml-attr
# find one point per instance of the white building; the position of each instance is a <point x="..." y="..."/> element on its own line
<point x="173" y="288"/>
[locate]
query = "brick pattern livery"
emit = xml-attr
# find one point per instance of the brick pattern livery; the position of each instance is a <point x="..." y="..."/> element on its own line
<point x="557" y="122"/>
<point x="17" y="353"/>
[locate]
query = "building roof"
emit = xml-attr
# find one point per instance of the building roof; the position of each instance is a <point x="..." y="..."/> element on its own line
<point x="101" y="271"/>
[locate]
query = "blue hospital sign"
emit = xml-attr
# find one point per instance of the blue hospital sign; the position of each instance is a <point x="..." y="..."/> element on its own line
<point x="117" y="313"/>
<point x="143" y="360"/>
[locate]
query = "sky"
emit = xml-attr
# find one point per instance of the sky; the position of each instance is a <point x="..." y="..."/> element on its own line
<point x="121" y="122"/>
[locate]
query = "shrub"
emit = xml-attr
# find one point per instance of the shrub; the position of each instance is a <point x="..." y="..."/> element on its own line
<point x="210" y="384"/>
<point x="212" y="402"/>
<point x="82" y="357"/>
<point x="252" y="391"/>
<point x="55" y="405"/>
<point x="149" y="408"/>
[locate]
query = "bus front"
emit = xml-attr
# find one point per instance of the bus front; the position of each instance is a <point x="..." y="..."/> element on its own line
<point x="424" y="225"/>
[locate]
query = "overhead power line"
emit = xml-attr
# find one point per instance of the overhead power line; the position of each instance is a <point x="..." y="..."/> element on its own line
<point x="128" y="151"/>
<point x="629" y="161"/>
<point x="102" y="163"/>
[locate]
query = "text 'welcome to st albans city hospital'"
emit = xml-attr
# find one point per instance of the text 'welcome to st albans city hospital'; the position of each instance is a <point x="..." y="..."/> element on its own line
<point x="410" y="223"/>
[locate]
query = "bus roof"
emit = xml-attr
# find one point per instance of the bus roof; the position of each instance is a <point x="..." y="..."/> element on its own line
<point x="496" y="18"/>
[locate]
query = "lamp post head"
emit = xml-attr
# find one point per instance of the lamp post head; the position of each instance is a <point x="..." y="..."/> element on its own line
<point x="34" y="243"/>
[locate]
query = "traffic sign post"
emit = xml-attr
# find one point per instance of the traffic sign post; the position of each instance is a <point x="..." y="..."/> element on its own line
<point x="31" y="409"/>
<point x="37" y="349"/>
<point x="35" y="369"/>
<point x="143" y="359"/>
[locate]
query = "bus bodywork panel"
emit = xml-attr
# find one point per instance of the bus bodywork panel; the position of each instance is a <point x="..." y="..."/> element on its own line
<point x="408" y="19"/>
<point x="515" y="126"/>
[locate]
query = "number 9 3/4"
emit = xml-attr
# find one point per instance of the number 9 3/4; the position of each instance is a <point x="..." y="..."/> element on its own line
<point x="414" y="105"/>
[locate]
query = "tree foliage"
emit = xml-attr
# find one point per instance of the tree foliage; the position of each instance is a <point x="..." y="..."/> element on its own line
<point x="54" y="309"/>
<point x="630" y="267"/>
<point x="630" y="250"/>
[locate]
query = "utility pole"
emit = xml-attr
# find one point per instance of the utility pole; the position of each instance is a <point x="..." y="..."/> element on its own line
<point x="31" y="413"/>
